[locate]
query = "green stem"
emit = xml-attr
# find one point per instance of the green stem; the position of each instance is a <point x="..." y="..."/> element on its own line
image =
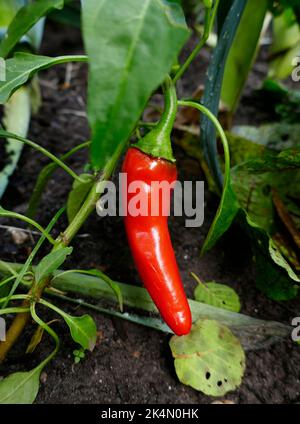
<point x="219" y="129"/>
<point x="7" y="280"/>
<point x="17" y="310"/>
<point x="49" y="330"/>
<point x="90" y="203"/>
<point x="24" y="270"/>
<point x="28" y="221"/>
<point x="157" y="142"/>
<point x="42" y="150"/>
<point x="210" y="14"/>
<point x="15" y="297"/>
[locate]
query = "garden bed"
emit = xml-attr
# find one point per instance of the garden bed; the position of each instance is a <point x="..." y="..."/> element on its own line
<point x="133" y="364"/>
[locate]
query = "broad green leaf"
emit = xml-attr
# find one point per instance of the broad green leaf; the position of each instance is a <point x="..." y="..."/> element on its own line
<point x="20" y="387"/>
<point x="51" y="263"/>
<point x="274" y="276"/>
<point x="283" y="65"/>
<point x="78" y="195"/>
<point x="243" y="52"/>
<point x="83" y="330"/>
<point x="254" y="195"/>
<point x="213" y="86"/>
<point x="17" y="113"/>
<point x="209" y="359"/>
<point x="23" y="66"/>
<point x="218" y="295"/>
<point x="277" y="136"/>
<point x="285" y="35"/>
<point x="127" y="63"/>
<point x="24" y="20"/>
<point x="8" y="10"/>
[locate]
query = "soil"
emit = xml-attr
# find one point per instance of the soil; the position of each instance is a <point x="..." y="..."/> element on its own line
<point x="133" y="364"/>
<point x="4" y="157"/>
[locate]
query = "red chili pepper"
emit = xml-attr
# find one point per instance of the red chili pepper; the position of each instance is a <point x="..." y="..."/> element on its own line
<point x="148" y="236"/>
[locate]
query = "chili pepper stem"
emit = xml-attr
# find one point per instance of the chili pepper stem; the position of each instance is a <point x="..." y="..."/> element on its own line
<point x="157" y="142"/>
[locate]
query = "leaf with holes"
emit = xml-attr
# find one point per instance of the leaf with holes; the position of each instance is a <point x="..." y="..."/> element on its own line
<point x="209" y="359"/>
<point x="218" y="295"/>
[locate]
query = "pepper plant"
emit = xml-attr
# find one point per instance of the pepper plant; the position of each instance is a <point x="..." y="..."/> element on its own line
<point x="132" y="51"/>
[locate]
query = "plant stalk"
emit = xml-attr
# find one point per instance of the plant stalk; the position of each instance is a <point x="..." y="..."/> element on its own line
<point x="87" y="208"/>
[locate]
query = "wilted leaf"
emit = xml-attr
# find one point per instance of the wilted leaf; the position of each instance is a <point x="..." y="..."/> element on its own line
<point x="209" y="359"/>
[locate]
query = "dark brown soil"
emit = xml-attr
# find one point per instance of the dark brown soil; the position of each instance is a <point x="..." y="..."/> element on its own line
<point x="4" y="157"/>
<point x="131" y="363"/>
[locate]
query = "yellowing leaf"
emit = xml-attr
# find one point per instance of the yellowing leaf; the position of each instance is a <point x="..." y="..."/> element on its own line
<point x="209" y="359"/>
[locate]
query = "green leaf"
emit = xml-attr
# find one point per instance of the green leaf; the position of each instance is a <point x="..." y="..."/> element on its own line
<point x="277" y="137"/>
<point x="23" y="66"/>
<point x="17" y="115"/>
<point x="51" y="263"/>
<point x="218" y="295"/>
<point x="274" y="276"/>
<point x="227" y="211"/>
<point x="20" y="387"/>
<point x="126" y="66"/>
<point x="213" y="86"/>
<point x="78" y="195"/>
<point x="243" y="52"/>
<point x="283" y="65"/>
<point x="253" y="333"/>
<point x="8" y="10"/>
<point x="209" y="359"/>
<point x="24" y="20"/>
<point x="83" y="330"/>
<point x="285" y="34"/>
<point x="35" y="340"/>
